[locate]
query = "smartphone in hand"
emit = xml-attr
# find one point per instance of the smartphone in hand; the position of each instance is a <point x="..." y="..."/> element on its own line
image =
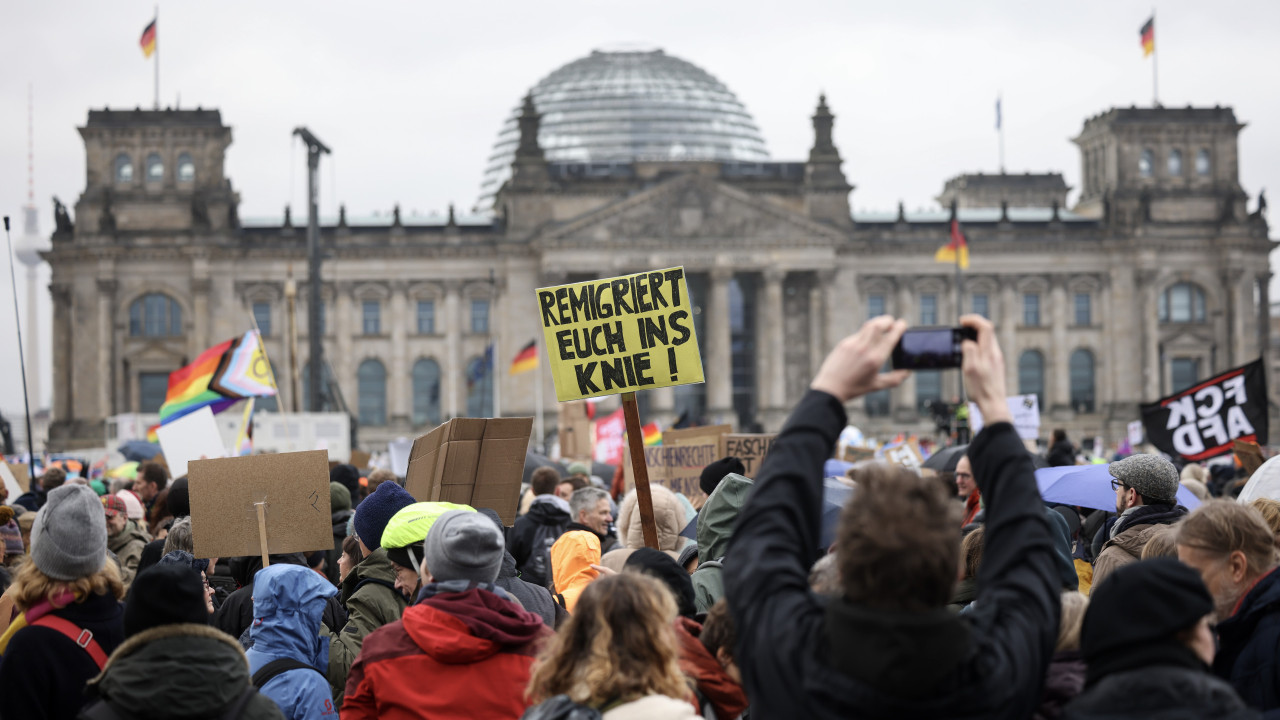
<point x="936" y="348"/>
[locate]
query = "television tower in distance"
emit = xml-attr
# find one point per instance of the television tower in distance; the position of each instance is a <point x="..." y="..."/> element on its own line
<point x="28" y="250"/>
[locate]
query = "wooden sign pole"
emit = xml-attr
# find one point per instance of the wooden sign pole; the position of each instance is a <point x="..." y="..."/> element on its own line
<point x="262" y="532"/>
<point x="635" y="443"/>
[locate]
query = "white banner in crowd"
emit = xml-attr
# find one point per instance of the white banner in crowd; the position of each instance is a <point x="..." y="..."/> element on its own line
<point x="399" y="452"/>
<point x="1025" y="410"/>
<point x="190" y="437"/>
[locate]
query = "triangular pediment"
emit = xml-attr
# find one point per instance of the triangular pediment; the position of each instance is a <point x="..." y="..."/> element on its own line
<point x="690" y="209"/>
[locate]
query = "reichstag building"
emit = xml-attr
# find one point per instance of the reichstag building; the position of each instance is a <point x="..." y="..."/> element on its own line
<point x="625" y="161"/>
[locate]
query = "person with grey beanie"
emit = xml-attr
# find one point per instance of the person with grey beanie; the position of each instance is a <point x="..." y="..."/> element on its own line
<point x="1147" y="498"/>
<point x="462" y="626"/>
<point x="70" y="599"/>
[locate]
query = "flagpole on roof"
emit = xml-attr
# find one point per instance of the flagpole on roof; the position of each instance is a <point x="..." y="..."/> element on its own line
<point x="155" y="24"/>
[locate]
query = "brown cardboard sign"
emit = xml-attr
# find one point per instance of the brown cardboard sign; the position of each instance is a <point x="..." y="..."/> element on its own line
<point x="751" y="449"/>
<point x="360" y="458"/>
<point x="225" y="493"/>
<point x="857" y="454"/>
<point x="1249" y="455"/>
<point x="22" y="477"/>
<point x="907" y="455"/>
<point x="472" y="461"/>
<point x="678" y="462"/>
<point x="576" y="440"/>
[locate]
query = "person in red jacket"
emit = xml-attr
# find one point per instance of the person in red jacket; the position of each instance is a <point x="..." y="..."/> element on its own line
<point x="463" y="650"/>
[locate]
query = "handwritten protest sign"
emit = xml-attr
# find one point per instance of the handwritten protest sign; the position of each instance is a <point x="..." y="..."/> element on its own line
<point x="1025" y="410"/>
<point x="905" y="455"/>
<point x="751" y="449"/>
<point x="677" y="463"/>
<point x="291" y="488"/>
<point x="620" y="335"/>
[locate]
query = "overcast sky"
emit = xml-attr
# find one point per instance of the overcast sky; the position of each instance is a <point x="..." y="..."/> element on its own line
<point x="411" y="95"/>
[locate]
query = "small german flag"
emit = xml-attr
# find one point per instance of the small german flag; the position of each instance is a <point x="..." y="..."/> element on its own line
<point x="526" y="360"/>
<point x="148" y="41"/>
<point x="955" y="252"/>
<point x="1148" y="35"/>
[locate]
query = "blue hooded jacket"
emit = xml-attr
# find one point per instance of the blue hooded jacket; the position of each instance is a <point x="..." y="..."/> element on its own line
<point x="288" y="601"/>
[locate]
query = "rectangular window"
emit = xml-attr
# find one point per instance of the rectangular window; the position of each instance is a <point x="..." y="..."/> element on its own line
<point x="1031" y="310"/>
<point x="262" y="316"/>
<point x="1185" y="373"/>
<point x="426" y="317"/>
<point x="1084" y="314"/>
<point x="928" y="389"/>
<point x="875" y="306"/>
<point x="928" y="309"/>
<point x="480" y="317"/>
<point x="982" y="305"/>
<point x="152" y="388"/>
<point x="372" y="317"/>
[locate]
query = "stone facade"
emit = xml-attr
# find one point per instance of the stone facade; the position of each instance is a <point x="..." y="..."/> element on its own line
<point x="1153" y="279"/>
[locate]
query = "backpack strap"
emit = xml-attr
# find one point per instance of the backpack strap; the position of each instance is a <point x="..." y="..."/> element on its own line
<point x="560" y="600"/>
<point x="235" y="711"/>
<point x="279" y="667"/>
<point x="77" y="635"/>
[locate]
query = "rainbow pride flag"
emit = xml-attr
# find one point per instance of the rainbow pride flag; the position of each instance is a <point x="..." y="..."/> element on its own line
<point x="219" y="378"/>
<point x="652" y="434"/>
<point x="189" y="386"/>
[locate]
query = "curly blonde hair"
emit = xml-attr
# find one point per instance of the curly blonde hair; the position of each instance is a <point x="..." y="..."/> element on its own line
<point x="619" y="645"/>
<point x="31" y="586"/>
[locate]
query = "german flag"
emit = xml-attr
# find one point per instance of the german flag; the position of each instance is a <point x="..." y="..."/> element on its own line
<point x="955" y="252"/>
<point x="526" y="360"/>
<point x="148" y="41"/>
<point x="1148" y="35"/>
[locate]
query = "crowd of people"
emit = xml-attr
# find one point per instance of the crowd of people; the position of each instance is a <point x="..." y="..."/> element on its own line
<point x="960" y="594"/>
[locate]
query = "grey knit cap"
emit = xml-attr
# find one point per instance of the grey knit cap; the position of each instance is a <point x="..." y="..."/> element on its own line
<point x="464" y="545"/>
<point x="1151" y="475"/>
<point x="69" y="535"/>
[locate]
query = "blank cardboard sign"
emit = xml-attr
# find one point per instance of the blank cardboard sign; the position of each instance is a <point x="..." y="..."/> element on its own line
<point x="472" y="461"/>
<point x="294" y="486"/>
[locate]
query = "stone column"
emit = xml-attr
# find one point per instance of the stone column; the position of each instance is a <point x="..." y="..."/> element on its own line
<point x="843" y="305"/>
<point x="63" y="352"/>
<point x="1010" y="318"/>
<point x="399" y="386"/>
<point x="818" y="312"/>
<point x="1104" y="369"/>
<point x="774" y="350"/>
<point x="105" y="342"/>
<point x="340" y="356"/>
<point x="1058" y="370"/>
<point x="200" y="287"/>
<point x="1151" y="370"/>
<point x="905" y="396"/>
<point x="453" y="370"/>
<point x="1241" y="289"/>
<point x="718" y="369"/>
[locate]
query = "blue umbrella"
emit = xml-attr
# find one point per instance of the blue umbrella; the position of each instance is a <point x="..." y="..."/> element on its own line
<point x="139" y="450"/>
<point x="1090" y="486"/>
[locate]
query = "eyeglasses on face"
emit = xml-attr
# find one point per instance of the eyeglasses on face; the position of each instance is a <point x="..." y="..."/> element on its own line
<point x="1117" y="484"/>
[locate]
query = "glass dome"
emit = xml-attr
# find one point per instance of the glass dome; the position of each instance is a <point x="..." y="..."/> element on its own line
<point x="630" y="105"/>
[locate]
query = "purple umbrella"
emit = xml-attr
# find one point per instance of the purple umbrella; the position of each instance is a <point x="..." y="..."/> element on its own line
<point x="1090" y="486"/>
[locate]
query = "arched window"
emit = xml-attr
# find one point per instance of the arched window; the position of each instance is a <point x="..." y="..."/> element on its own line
<point x="1146" y="162"/>
<point x="479" y="388"/>
<point x="1031" y="375"/>
<point x="1202" y="162"/>
<point x="1175" y="163"/>
<point x="155" y="315"/>
<point x="1182" y="303"/>
<point x="426" y="392"/>
<point x="186" y="168"/>
<point x="155" y="168"/>
<point x="1082" y="397"/>
<point x="124" y="168"/>
<point x="371" y="388"/>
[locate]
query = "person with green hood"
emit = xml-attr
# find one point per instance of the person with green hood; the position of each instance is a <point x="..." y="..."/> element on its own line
<point x="715" y="528"/>
<point x="340" y="513"/>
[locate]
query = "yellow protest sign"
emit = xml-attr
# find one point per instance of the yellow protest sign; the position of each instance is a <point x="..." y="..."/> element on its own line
<point x="621" y="334"/>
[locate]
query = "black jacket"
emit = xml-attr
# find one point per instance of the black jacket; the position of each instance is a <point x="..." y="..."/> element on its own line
<point x="235" y="615"/>
<point x="1062" y="453"/>
<point x="1168" y="692"/>
<point x="799" y="659"/>
<point x="1249" y="646"/>
<point x="43" y="673"/>
<point x="33" y="499"/>
<point x="526" y="527"/>
<point x="534" y="598"/>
